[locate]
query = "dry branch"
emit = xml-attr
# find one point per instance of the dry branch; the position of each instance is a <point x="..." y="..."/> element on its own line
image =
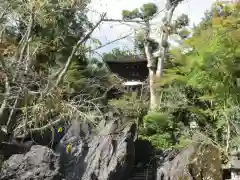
<point x="23" y="44"/>
<point x="7" y="88"/>
<point x="126" y="21"/>
<point x="4" y="12"/>
<point x="79" y="43"/>
<point x="115" y="40"/>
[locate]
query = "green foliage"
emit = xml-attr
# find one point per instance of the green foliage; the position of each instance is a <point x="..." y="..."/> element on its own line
<point x="184" y="33"/>
<point x="56" y="28"/>
<point x="116" y="54"/>
<point x="128" y="15"/>
<point x="146" y="12"/>
<point x="55" y="32"/>
<point x="205" y="79"/>
<point x="139" y="38"/>
<point x="183" y="142"/>
<point x="155" y="122"/>
<point x="131" y="105"/>
<point x="182" y="21"/>
<point x="202" y="85"/>
<point x="161" y="129"/>
<point x="76" y="77"/>
<point x="159" y="141"/>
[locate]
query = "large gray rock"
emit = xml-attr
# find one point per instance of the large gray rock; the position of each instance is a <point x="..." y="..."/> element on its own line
<point x="108" y="154"/>
<point x="104" y="156"/>
<point x="196" y="162"/>
<point x="72" y="162"/>
<point x="40" y="163"/>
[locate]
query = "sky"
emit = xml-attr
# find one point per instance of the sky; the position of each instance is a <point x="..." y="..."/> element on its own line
<point x="109" y="31"/>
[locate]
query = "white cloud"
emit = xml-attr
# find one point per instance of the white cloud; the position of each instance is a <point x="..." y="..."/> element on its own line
<point x="109" y="31"/>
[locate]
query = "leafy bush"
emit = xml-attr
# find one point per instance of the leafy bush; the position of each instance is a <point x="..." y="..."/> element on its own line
<point x="159" y="141"/>
<point x="130" y="105"/>
<point x="155" y="123"/>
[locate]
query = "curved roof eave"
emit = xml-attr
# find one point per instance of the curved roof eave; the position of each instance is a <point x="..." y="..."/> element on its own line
<point x="128" y="59"/>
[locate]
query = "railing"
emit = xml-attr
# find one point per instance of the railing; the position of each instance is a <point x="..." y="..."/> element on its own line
<point x="147" y="172"/>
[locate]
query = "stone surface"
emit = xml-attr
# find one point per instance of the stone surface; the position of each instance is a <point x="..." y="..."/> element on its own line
<point x="80" y="155"/>
<point x="196" y="162"/>
<point x="40" y="163"/>
<point x="50" y="137"/>
<point x="7" y="149"/>
<point x="103" y="156"/>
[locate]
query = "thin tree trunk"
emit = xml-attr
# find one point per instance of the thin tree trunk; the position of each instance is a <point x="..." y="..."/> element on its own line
<point x="163" y="55"/>
<point x="151" y="68"/>
<point x="153" y="93"/>
<point x="152" y="89"/>
<point x="164" y="39"/>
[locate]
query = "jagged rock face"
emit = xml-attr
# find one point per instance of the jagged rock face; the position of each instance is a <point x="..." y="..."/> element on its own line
<point x="105" y="156"/>
<point x="40" y="163"/>
<point x="102" y="156"/>
<point x="196" y="162"/>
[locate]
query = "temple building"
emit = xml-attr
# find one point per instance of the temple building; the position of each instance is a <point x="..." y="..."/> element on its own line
<point x="131" y="69"/>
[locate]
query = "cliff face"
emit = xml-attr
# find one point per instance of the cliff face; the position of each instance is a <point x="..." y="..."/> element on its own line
<point x="77" y="156"/>
<point x="105" y="156"/>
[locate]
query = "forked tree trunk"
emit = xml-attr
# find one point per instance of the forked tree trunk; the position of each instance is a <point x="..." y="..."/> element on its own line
<point x="156" y="72"/>
<point x="163" y="42"/>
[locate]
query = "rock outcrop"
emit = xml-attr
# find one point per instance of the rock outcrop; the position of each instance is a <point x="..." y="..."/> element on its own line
<point x="40" y="163"/>
<point x="80" y="155"/>
<point x="105" y="156"/>
<point x="196" y="162"/>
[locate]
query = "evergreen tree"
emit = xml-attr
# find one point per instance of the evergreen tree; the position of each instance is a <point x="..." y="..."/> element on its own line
<point x="47" y="77"/>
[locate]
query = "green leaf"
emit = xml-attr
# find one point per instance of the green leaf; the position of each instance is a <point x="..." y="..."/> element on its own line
<point x="96" y="41"/>
<point x="69" y="148"/>
<point x="60" y="129"/>
<point x="207" y="97"/>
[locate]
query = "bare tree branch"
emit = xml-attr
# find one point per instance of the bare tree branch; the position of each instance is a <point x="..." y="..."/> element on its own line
<point x="164" y="38"/>
<point x="7" y="89"/>
<point x="126" y="21"/>
<point x="80" y="42"/>
<point x="115" y="40"/>
<point x="4" y="12"/>
<point x="54" y="123"/>
<point x="12" y="112"/>
<point x="24" y="43"/>
<point x="19" y="58"/>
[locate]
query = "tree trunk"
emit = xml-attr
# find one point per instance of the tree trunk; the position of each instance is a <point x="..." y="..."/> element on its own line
<point x="153" y="92"/>
<point x="156" y="72"/>
<point x="164" y="39"/>
<point x="151" y="68"/>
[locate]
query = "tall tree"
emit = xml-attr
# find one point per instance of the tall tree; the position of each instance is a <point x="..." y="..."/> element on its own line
<point x="146" y="13"/>
<point x="200" y="99"/>
<point x="205" y="80"/>
<point x="43" y="61"/>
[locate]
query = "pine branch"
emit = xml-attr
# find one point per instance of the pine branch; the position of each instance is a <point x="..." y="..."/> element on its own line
<point x="110" y="42"/>
<point x="79" y="43"/>
<point x="122" y="20"/>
